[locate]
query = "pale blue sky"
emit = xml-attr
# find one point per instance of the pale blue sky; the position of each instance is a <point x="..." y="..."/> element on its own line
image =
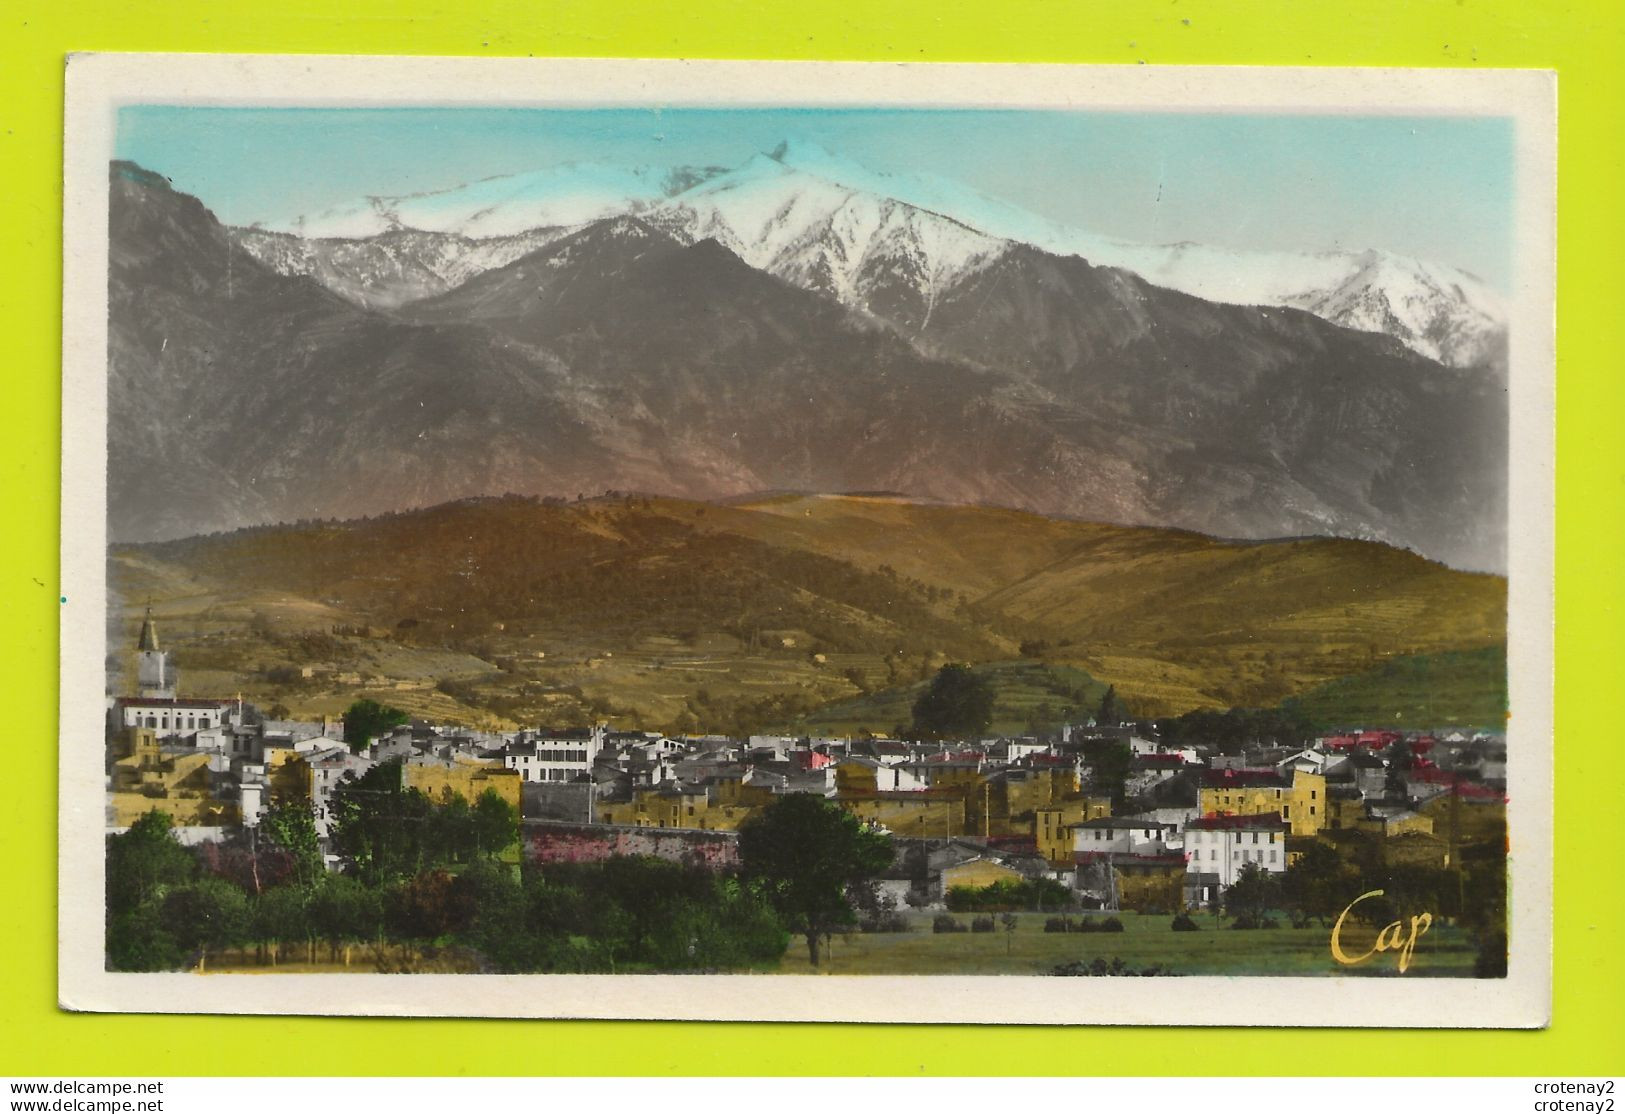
<point x="1438" y="188"/>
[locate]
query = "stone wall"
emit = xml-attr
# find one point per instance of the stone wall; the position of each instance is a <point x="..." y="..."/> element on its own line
<point x="590" y="843"/>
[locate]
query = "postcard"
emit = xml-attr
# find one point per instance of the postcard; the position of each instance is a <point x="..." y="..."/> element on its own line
<point x="807" y="541"/>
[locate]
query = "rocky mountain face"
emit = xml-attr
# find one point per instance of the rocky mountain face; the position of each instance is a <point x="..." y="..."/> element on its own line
<point x="636" y="353"/>
<point x="837" y="228"/>
<point x="391" y="268"/>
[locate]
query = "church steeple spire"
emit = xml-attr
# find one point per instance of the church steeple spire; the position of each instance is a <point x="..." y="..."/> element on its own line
<point x="154" y="675"/>
<point x="149" y="633"/>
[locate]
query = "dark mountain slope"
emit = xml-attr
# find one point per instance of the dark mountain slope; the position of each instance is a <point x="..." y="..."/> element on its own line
<point x="618" y="357"/>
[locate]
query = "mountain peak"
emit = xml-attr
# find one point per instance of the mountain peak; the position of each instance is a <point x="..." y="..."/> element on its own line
<point x="134" y="172"/>
<point x="795" y="152"/>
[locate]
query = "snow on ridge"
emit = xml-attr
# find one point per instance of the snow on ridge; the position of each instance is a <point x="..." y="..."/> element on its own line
<point x="506" y="205"/>
<point x="822" y="234"/>
<point x="1439" y="311"/>
<point x="828" y="223"/>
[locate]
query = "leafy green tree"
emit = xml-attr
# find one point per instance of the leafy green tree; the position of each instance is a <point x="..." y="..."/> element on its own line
<point x="649" y="890"/>
<point x="281" y="915"/>
<point x="1110" y="763"/>
<point x="498" y="929"/>
<point x="367" y="719"/>
<point x="208" y="914"/>
<point x="291" y="829"/>
<point x="450" y="830"/>
<point x="138" y="941"/>
<point x="1254" y="892"/>
<point x="958" y="703"/>
<point x="343" y="911"/>
<point x="804" y="852"/>
<point x="380" y="824"/>
<point x="428" y="906"/>
<point x="144" y="862"/>
<point x="1317" y="885"/>
<point x="495" y="824"/>
<point x="1111" y="711"/>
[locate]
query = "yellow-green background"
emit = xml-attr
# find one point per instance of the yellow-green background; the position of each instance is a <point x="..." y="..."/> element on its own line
<point x="1582" y="41"/>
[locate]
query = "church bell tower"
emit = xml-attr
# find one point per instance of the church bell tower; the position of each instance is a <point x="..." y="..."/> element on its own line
<point x="155" y="677"/>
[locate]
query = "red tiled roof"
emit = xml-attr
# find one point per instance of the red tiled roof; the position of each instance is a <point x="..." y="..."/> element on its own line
<point x="159" y="702"/>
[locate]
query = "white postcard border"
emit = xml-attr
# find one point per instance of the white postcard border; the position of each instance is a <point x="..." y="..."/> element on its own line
<point x="98" y="84"/>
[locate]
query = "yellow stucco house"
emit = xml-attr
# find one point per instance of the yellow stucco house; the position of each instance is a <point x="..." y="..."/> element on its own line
<point x="1300" y="801"/>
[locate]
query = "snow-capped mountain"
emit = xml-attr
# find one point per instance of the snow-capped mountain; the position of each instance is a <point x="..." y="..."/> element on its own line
<point x="391" y="268"/>
<point x="1435" y="310"/>
<point x="865" y="249"/>
<point x="876" y="242"/>
<point x="1440" y="311"/>
<point x="622" y="357"/>
<point x="571" y="194"/>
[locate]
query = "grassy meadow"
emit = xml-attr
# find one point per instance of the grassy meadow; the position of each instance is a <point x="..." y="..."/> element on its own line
<point x="1443" y="952"/>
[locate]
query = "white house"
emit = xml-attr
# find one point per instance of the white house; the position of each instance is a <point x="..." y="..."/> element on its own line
<point x="1222" y="845"/>
<point x="1123" y="835"/>
<point x="558" y="755"/>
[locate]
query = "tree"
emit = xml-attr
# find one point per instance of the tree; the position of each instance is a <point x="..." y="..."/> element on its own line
<point x="291" y="829"/>
<point x="207" y="914"/>
<point x="343" y="911"/>
<point x="495" y="823"/>
<point x="1316" y="884"/>
<point x="1111" y="711"/>
<point x="379" y="823"/>
<point x="804" y="851"/>
<point x="144" y="862"/>
<point x="1254" y="892"/>
<point x="281" y="915"/>
<point x="429" y="906"/>
<point x="450" y="834"/>
<point x="367" y="719"/>
<point x="958" y="703"/>
<point x="1109" y="763"/>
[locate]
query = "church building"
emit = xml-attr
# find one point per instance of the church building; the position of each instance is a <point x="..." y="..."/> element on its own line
<point x="159" y="707"/>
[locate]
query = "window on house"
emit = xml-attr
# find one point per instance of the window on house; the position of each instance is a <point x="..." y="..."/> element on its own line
<point x="1272" y="856"/>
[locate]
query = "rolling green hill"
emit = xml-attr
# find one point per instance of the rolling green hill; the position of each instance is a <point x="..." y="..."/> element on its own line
<point x="1466" y="689"/>
<point x="1029" y="697"/>
<point x="759" y="612"/>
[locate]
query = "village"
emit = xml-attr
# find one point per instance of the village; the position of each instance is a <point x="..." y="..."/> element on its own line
<point x="1105" y="810"/>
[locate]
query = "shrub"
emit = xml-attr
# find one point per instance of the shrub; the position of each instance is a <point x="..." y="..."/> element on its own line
<point x="945" y="922"/>
<point x="1111" y="924"/>
<point x="1058" y="924"/>
<point x="981" y="924"/>
<point x="1183" y="923"/>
